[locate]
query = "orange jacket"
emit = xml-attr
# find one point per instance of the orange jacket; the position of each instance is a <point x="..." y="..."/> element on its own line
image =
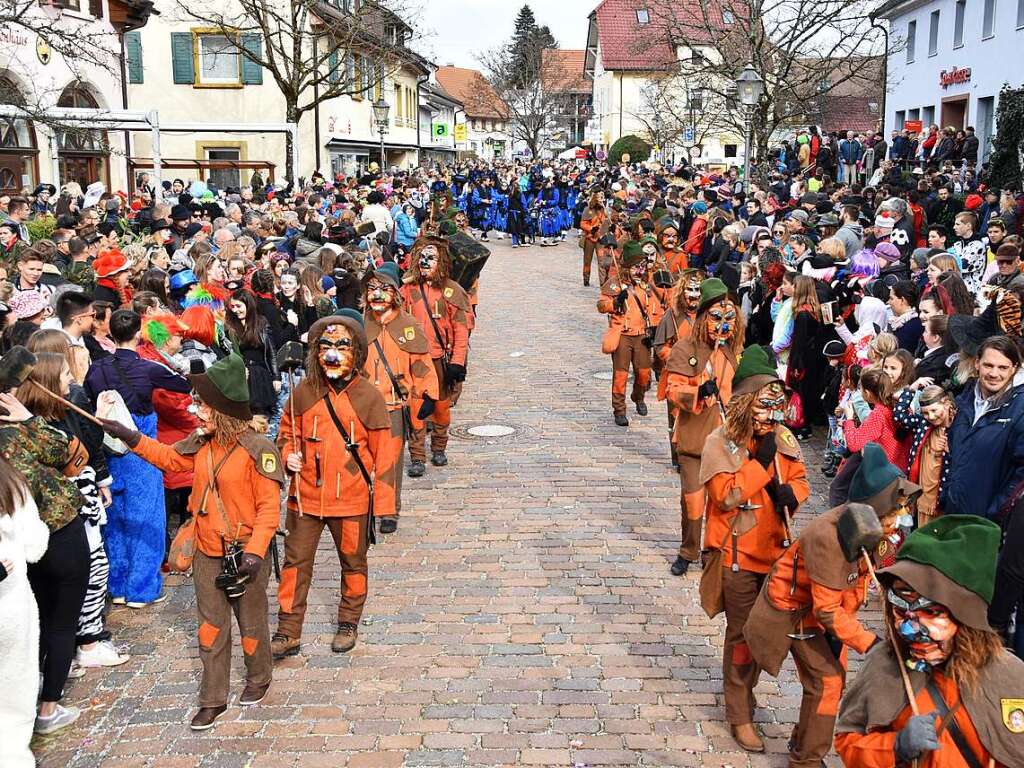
<point x="592" y="226"/>
<point x="330" y="484"/>
<point x="834" y="610"/>
<point x="449" y="306"/>
<point x="410" y="361"/>
<point x="677" y="261"/>
<point x="251" y="497"/>
<point x="875" y="749"/>
<point x="632" y="320"/>
<point x="756" y="548"/>
<point x="681" y="390"/>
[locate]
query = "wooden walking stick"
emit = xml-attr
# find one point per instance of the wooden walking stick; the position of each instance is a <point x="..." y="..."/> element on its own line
<point x="786" y="520"/>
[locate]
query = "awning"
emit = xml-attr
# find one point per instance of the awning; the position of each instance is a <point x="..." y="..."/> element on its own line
<point x="374" y="146"/>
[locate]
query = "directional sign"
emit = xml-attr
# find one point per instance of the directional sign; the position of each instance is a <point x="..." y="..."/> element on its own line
<point x="688" y="134"/>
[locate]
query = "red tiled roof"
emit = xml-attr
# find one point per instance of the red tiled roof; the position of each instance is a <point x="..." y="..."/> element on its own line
<point x="628" y="44"/>
<point x="849" y="113"/>
<point x="475" y="93"/>
<point x="562" y="71"/>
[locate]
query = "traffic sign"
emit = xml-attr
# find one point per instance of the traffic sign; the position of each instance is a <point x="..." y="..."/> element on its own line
<point x="688" y="134"/>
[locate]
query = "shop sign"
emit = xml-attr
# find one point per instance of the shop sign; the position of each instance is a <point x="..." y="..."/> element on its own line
<point x="954" y="77"/>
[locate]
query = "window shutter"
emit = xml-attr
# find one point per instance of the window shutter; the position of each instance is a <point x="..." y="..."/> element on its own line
<point x="181" y="58"/>
<point x="133" y="55"/>
<point x="252" y="73"/>
<point x="333" y="75"/>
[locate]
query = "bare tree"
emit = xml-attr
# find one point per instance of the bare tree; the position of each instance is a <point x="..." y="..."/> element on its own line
<point x="314" y="50"/>
<point x="804" y="50"/>
<point x="679" y="113"/>
<point x="90" y="48"/>
<point x="532" y="112"/>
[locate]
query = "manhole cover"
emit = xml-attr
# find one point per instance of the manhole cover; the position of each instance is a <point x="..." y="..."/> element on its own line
<point x="603" y="375"/>
<point x="491" y="430"/>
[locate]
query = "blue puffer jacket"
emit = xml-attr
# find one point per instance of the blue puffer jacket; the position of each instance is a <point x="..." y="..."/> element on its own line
<point x="406" y="230"/>
<point x="985" y="460"/>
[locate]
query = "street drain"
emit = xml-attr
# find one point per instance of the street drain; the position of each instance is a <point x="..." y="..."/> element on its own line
<point x="491" y="430"/>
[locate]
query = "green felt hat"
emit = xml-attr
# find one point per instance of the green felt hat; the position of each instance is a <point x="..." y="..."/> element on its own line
<point x="952" y="560"/>
<point x="649" y="239"/>
<point x="712" y="291"/>
<point x="658" y="213"/>
<point x="666" y="222"/>
<point x="224" y="387"/>
<point x="631" y="253"/>
<point x="756" y="368"/>
<point x="878" y="483"/>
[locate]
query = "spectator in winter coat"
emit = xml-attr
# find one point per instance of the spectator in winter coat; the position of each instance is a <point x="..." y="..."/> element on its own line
<point x="406" y="229"/>
<point x="851" y="233"/>
<point x="970" y="148"/>
<point x="850" y="153"/>
<point x="905" y="325"/>
<point x="986" y="439"/>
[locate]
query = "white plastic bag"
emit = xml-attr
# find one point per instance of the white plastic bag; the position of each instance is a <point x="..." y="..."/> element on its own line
<point x="110" y="405"/>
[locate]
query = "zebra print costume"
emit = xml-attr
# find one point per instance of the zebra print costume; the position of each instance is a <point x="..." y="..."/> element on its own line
<point x="91" y="626"/>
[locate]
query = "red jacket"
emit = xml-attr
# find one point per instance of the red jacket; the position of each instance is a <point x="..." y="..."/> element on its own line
<point x="173" y="420"/>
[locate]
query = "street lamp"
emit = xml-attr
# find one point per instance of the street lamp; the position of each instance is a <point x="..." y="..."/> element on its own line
<point x="380" y="116"/>
<point x="749" y="87"/>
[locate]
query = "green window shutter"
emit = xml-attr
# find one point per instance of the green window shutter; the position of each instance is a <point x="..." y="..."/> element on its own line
<point x="333" y="75"/>
<point x="181" y="58"/>
<point x="252" y="73"/>
<point x="133" y="54"/>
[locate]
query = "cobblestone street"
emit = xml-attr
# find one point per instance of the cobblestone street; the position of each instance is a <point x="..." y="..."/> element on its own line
<point x="523" y="614"/>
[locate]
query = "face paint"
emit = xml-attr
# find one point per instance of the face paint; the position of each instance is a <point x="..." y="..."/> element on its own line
<point x="336" y="352"/>
<point x="721" y="322"/>
<point x="380" y="297"/>
<point x="768" y="408"/>
<point x="691" y="294"/>
<point x="926" y="627"/>
<point x="428" y="260"/>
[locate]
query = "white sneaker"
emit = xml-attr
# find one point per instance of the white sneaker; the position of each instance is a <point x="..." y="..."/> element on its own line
<point x="159" y="599"/>
<point x="62" y="717"/>
<point x="101" y="655"/>
<point x="75" y="672"/>
<point x="118" y="600"/>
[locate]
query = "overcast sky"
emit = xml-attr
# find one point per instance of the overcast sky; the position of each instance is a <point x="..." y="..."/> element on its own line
<point x="455" y="30"/>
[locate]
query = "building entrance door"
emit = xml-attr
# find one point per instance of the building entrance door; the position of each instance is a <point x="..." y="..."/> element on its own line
<point x="954" y="112"/>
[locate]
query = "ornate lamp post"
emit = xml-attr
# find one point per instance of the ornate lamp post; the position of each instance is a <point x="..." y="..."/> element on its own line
<point x="380" y="116"/>
<point x="749" y="86"/>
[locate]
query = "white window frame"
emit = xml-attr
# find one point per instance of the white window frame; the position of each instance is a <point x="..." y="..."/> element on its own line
<point x="988" y="19"/>
<point x="643" y="16"/>
<point x="1020" y="14"/>
<point x="959" y="20"/>
<point x="911" y="40"/>
<point x="202" y="79"/>
<point x="933" y="33"/>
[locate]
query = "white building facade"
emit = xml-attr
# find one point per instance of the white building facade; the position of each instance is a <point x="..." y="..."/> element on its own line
<point x="950" y="61"/>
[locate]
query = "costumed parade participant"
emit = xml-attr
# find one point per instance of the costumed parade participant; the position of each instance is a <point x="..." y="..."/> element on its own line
<point x="755" y="478"/>
<point x="336" y="438"/>
<point x="699" y="375"/>
<point x="594" y="225"/>
<point x="630" y="334"/>
<point x="676" y="324"/>
<point x="942" y="692"/>
<point x="399" y="365"/>
<point x="442" y="308"/>
<point x="810" y="601"/>
<point x="236" y="487"/>
<point x="668" y="240"/>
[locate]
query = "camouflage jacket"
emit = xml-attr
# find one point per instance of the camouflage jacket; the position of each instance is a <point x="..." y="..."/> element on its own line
<point x="39" y="452"/>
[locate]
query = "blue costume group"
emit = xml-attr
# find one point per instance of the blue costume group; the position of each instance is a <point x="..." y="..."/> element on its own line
<point x="526" y="208"/>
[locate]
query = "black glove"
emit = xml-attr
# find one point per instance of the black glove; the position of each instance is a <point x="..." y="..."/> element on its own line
<point x="129" y="437"/>
<point x="708" y="389"/>
<point x="784" y="498"/>
<point x="620" y="301"/>
<point x="455" y="374"/>
<point x="765" y="453"/>
<point x="917" y="736"/>
<point x="428" y="407"/>
<point x="250" y="566"/>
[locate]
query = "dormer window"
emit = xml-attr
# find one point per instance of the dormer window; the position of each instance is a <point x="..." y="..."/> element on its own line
<point x="643" y="16"/>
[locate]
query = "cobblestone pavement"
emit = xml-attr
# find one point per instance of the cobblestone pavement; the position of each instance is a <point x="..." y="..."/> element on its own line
<point x="522" y="615"/>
